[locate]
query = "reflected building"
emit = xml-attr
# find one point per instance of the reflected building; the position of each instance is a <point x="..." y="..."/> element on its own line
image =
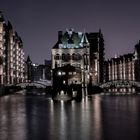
<point x="11" y="54"/>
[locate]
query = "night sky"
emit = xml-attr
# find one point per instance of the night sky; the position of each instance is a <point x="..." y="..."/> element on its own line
<point x="38" y="21"/>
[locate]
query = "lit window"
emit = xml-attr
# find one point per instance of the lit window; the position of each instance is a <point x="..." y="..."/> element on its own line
<point x="70" y="73"/>
<point x="74" y="73"/>
<point x="63" y="73"/>
<point x="59" y="73"/>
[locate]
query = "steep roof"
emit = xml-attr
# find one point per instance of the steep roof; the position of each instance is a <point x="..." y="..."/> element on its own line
<point x="84" y="39"/>
<point x="71" y="39"/>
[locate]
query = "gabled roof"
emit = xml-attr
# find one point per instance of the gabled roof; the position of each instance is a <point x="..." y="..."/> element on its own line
<point x="71" y="39"/>
<point x="56" y="46"/>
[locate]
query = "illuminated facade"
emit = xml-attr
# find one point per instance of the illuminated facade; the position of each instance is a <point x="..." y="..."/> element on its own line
<point x="125" y="67"/>
<point x="84" y="51"/>
<point x="120" y="68"/>
<point x="11" y="54"/>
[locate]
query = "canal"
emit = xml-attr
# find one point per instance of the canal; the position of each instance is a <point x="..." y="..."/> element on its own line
<point x="97" y="117"/>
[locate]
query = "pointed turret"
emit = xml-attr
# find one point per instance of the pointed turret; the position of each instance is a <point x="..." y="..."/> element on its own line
<point x="84" y="40"/>
<point x="28" y="60"/>
<point x="29" y="69"/>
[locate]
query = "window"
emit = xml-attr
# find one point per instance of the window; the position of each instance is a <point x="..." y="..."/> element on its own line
<point x="57" y="57"/>
<point x="66" y="57"/>
<point x="70" y="73"/>
<point x="59" y="73"/>
<point x="76" y="56"/>
<point x="63" y="73"/>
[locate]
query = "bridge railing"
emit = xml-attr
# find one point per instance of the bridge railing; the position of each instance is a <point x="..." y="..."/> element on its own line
<point x="36" y="84"/>
<point x="120" y="83"/>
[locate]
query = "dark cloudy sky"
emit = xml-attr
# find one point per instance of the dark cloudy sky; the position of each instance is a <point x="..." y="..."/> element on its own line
<point x="38" y="21"/>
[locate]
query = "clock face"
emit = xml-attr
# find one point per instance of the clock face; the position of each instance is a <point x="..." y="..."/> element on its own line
<point x="1" y="60"/>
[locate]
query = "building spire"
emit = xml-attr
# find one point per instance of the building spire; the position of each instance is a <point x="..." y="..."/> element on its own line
<point x="28" y="59"/>
<point x="84" y="40"/>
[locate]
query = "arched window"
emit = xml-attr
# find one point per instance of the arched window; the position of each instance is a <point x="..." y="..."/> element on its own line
<point x="76" y="56"/>
<point x="66" y="57"/>
<point x="57" y="57"/>
<point x="63" y="56"/>
<point x="73" y="56"/>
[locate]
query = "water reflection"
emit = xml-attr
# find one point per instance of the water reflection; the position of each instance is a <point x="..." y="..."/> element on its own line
<point x="96" y="117"/>
<point x="12" y="118"/>
<point x="77" y="120"/>
<point x="121" y="117"/>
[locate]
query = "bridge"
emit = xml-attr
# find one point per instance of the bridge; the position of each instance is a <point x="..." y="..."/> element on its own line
<point x="37" y="84"/>
<point x="121" y="86"/>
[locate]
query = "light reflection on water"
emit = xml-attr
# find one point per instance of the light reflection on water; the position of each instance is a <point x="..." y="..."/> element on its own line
<point x="12" y="118"/>
<point x="94" y="118"/>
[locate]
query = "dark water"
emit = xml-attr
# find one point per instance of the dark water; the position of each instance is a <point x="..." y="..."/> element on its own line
<point x="95" y="118"/>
